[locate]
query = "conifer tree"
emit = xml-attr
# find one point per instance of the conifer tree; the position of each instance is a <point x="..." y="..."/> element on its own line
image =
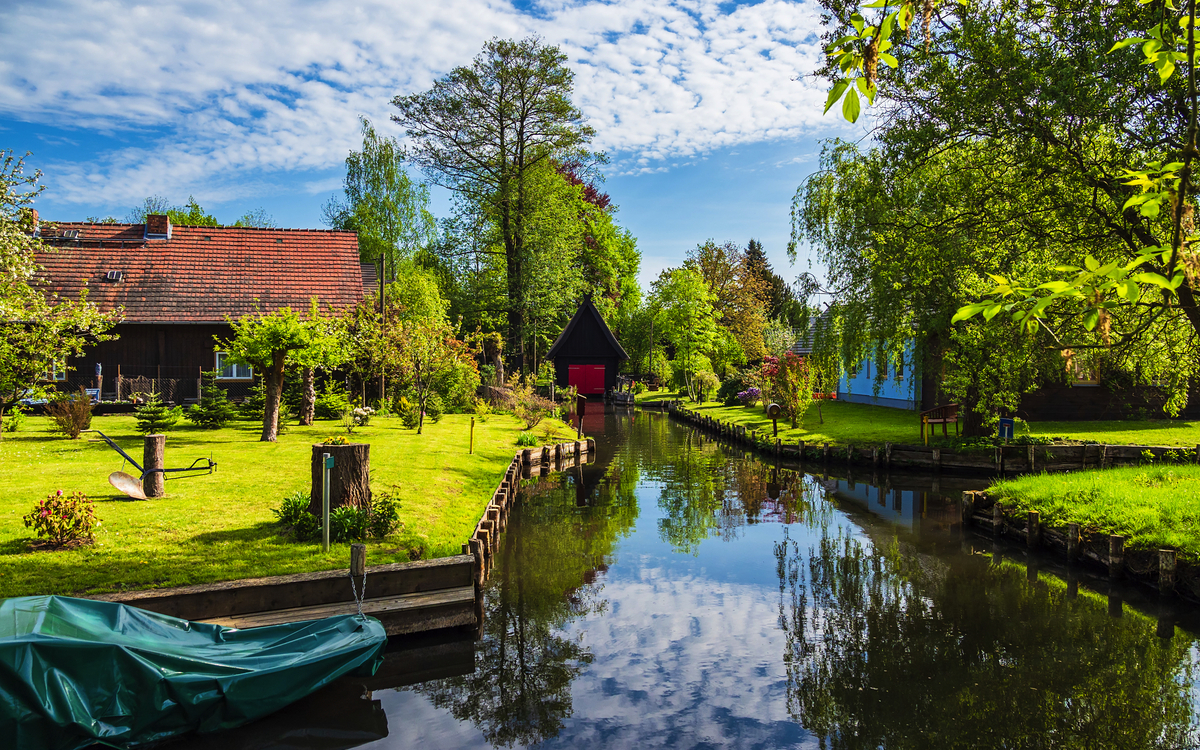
<point x="154" y="416"/>
<point x="214" y="409"/>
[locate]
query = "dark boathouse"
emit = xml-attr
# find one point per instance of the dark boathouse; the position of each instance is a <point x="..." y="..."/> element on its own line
<point x="587" y="354"/>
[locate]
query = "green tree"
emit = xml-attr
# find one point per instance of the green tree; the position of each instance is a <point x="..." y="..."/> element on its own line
<point x="213" y="409"/>
<point x="190" y="215"/>
<point x="38" y="333"/>
<point x="738" y="293"/>
<point x="324" y="349"/>
<point x="482" y="131"/>
<point x="264" y="341"/>
<point x="688" y="319"/>
<point x="388" y="209"/>
<point x="153" y="416"/>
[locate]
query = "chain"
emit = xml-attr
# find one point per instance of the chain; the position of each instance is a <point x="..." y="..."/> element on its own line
<point x="358" y="598"/>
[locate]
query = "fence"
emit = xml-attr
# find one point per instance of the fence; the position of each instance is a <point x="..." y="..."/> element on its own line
<point x="175" y="385"/>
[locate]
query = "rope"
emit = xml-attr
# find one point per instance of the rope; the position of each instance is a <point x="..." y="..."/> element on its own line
<point x="358" y="598"/>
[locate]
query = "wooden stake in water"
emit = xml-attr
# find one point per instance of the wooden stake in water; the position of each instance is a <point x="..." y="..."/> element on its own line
<point x="327" y="464"/>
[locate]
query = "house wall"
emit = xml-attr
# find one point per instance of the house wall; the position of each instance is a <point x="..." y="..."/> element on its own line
<point x="587" y="345"/>
<point x="611" y="365"/>
<point x="859" y="388"/>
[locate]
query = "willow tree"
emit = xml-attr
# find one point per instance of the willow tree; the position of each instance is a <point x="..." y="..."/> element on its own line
<point x="483" y="131"/>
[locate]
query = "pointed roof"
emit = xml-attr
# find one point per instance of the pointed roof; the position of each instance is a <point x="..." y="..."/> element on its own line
<point x="587" y="308"/>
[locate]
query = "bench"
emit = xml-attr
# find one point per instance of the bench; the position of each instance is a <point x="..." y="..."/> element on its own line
<point x="942" y="415"/>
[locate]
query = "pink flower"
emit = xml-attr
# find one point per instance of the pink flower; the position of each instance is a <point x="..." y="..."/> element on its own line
<point x="60" y="493"/>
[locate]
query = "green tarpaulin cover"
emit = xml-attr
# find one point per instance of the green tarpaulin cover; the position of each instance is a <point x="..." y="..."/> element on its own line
<point x="76" y="671"/>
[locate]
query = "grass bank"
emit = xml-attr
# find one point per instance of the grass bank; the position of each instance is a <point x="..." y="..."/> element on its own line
<point x="220" y="527"/>
<point x="861" y="424"/>
<point x="1155" y="507"/>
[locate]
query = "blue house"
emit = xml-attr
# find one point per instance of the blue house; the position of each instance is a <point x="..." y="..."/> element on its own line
<point x="900" y="389"/>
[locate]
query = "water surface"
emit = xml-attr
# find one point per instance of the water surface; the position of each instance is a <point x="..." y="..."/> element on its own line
<point x="680" y="593"/>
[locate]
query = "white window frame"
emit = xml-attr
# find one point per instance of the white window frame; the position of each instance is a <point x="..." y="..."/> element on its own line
<point x="56" y="373"/>
<point x="234" y="370"/>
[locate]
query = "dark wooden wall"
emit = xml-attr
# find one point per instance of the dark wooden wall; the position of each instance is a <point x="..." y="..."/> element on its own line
<point x="180" y="350"/>
<point x="587" y="345"/>
<point x="611" y="365"/>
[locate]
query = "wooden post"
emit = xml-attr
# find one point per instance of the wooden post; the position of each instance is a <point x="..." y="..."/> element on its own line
<point x="887" y="455"/>
<point x="849" y="452"/>
<point x="1031" y="460"/>
<point x="997" y="518"/>
<point x="153" y="448"/>
<point x="1104" y="455"/>
<point x="1116" y="556"/>
<point x="476" y="547"/>
<point x="825" y="452"/>
<point x="937" y="459"/>
<point x="471" y="449"/>
<point x="1034" y="529"/>
<point x="967" y="508"/>
<point x="119" y="395"/>
<point x="874" y="455"/>
<point x="1072" y="542"/>
<point x="1166" y="572"/>
<point x="358" y="560"/>
<point x="800" y="446"/>
<point x="349" y="480"/>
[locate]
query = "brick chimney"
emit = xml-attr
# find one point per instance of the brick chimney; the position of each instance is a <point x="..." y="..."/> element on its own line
<point x="158" y="227"/>
<point x="33" y="223"/>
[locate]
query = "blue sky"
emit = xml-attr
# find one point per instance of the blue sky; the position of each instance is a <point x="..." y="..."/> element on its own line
<point x="703" y="107"/>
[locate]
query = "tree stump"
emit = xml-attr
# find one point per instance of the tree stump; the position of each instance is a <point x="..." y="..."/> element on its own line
<point x="349" y="480"/>
<point x="153" y="449"/>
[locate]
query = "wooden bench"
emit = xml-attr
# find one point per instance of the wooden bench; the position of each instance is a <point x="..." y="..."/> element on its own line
<point x="942" y="415"/>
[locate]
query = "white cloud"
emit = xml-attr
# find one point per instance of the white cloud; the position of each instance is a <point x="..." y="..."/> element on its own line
<point x="204" y="94"/>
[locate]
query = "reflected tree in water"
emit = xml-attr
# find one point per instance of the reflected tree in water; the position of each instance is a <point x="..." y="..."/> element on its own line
<point x="552" y="554"/>
<point x="892" y="649"/>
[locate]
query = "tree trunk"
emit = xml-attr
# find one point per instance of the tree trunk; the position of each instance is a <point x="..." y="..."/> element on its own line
<point x="349" y="480"/>
<point x="272" y="390"/>
<point x="308" y="406"/>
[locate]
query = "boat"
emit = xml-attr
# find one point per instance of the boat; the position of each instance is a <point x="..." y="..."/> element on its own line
<point x="74" y="672"/>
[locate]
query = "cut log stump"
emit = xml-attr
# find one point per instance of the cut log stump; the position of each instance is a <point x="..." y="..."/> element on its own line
<point x="349" y="480"/>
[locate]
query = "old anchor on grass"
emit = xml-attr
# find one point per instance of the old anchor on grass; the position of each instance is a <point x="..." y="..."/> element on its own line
<point x="149" y="482"/>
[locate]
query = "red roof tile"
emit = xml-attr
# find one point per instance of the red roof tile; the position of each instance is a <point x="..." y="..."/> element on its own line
<point x="202" y="274"/>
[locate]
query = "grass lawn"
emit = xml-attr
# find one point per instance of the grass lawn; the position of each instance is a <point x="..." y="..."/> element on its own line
<point x="1154" y="506"/>
<point x="220" y="527"/>
<point x="845" y="422"/>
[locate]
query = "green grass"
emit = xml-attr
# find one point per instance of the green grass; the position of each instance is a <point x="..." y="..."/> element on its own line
<point x="220" y="527"/>
<point x="846" y="422"/>
<point x="1154" y="506"/>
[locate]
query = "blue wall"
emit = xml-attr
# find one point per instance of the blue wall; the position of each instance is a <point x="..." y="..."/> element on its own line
<point x="902" y="394"/>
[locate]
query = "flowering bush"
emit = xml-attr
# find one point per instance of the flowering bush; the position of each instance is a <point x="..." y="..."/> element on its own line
<point x="357" y="417"/>
<point x="749" y="397"/>
<point x="789" y="382"/>
<point x="64" y="519"/>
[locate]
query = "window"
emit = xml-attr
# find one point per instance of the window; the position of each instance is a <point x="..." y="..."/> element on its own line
<point x="883" y="363"/>
<point x="227" y="370"/>
<point x="56" y="372"/>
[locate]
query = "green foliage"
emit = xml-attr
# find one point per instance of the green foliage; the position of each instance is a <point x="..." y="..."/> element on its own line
<point x="14" y="419"/>
<point x="705" y="384"/>
<point x="531" y="408"/>
<point x="409" y="413"/>
<point x="385" y="515"/>
<point x="214" y="409"/>
<point x="154" y="417"/>
<point x="292" y="509"/>
<point x="71" y="412"/>
<point x="332" y="402"/>
<point x="730" y="387"/>
<point x="527" y="439"/>
<point x="64" y="519"/>
<point x="433" y="408"/>
<point x="348" y="523"/>
<point x="38" y="332"/>
<point x="688" y="319"/>
<point x="482" y="409"/>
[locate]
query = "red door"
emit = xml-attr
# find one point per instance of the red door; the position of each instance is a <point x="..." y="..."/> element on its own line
<point x="589" y="379"/>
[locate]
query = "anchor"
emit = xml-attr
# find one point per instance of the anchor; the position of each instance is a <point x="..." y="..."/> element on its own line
<point x="132" y="486"/>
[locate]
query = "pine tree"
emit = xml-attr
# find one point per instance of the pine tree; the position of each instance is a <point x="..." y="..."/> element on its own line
<point x="214" y="409"/>
<point x="154" y="416"/>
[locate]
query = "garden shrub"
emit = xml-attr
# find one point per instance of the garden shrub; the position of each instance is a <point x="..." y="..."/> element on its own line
<point x="154" y="416"/>
<point x="482" y="409"/>
<point x="359" y="416"/>
<point x="749" y="397"/>
<point x="14" y="419"/>
<point x="252" y="406"/>
<point x="332" y="402"/>
<point x="71" y="412"/>
<point x="727" y="394"/>
<point x="527" y="439"/>
<point x="64" y="520"/>
<point x="531" y="408"/>
<point x="293" y="507"/>
<point x="433" y="408"/>
<point x="214" y="409"/>
<point x="385" y="515"/>
<point x="409" y="414"/>
<point x="704" y="383"/>
<point x="348" y="523"/>
<point x="456" y="387"/>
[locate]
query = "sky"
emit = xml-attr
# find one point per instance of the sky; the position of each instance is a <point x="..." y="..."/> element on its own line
<point x="706" y="110"/>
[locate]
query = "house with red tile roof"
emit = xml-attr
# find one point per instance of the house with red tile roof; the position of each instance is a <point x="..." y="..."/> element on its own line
<point x="179" y="286"/>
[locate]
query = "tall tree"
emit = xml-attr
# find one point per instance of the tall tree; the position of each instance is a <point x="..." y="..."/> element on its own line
<point x="483" y="130"/>
<point x="688" y="319"/>
<point x="37" y="332"/>
<point x="388" y="209"/>
<point x="264" y="341"/>
<point x="781" y="300"/>
<point x="738" y="294"/>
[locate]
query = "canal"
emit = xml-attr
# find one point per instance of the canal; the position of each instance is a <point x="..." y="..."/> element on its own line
<point x="679" y="592"/>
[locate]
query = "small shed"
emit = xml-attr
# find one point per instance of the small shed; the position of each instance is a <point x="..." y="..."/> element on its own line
<point x="587" y="354"/>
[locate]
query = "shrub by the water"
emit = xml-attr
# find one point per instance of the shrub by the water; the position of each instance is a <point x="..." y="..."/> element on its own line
<point x="71" y="412"/>
<point x="749" y="397"/>
<point x="154" y="416"/>
<point x="293" y="507"/>
<point x="64" y="519"/>
<point x="527" y="439"/>
<point x="346" y="524"/>
<point x="727" y="394"/>
<point x="704" y="383"/>
<point x="531" y="408"/>
<point x="214" y="409"/>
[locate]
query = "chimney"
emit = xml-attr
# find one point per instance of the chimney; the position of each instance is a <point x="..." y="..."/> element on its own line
<point x="30" y="216"/>
<point x="158" y="227"/>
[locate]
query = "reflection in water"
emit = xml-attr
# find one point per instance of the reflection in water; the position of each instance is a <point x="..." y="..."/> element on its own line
<point x="891" y="648"/>
<point x="680" y="593"/>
